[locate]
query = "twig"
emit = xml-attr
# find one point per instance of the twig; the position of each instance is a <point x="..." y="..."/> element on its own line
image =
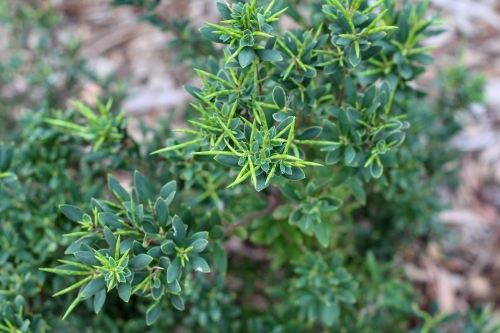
<point x="273" y="202"/>
<point x="342" y="90"/>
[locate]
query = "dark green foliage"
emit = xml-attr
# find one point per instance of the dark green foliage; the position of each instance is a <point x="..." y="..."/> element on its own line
<point x="320" y="287"/>
<point x="343" y="156"/>
<point x="143" y="255"/>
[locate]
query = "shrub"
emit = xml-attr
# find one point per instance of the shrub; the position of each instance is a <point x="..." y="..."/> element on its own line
<point x="310" y="161"/>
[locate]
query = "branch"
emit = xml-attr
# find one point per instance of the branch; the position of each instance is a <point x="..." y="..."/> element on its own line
<point x="273" y="202"/>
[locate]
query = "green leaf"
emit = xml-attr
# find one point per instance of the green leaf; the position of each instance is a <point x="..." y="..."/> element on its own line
<point x="352" y="55"/>
<point x="153" y="312"/>
<point x="220" y="257"/>
<point x="371" y="52"/>
<point x="150" y="227"/>
<point x="280" y="116"/>
<point x="72" y="306"/>
<point x="376" y="168"/>
<point x="284" y="124"/>
<point x="322" y="233"/>
<point x="174" y="287"/>
<point x="229" y="160"/>
<point x="350" y="91"/>
<point x="73" y="286"/>
<point x="279" y="97"/>
<point x="396" y="138"/>
<point x="99" y="300"/>
<point x="329" y="313"/>
<point x="217" y="232"/>
<point x="424" y="59"/>
<point x="209" y="33"/>
<point x="157" y="292"/>
<point x="143" y="187"/>
<point x="93" y="287"/>
<point x="6" y="155"/>
<point x="295" y="216"/>
<point x="343" y="41"/>
<point x="161" y="210"/>
<point x="310" y="133"/>
<point x="196" y="236"/>
<point x="406" y="71"/>
<point x="454" y="316"/>
<point x="357" y="190"/>
<point x="117" y="190"/>
<point x="381" y="99"/>
<point x="124" y="291"/>
<point x="224" y="11"/>
<point x="199" y="264"/>
<point x="261" y="20"/>
<point x="289" y="191"/>
<point x="177" y="147"/>
<point x="193" y="91"/>
<point x="269" y="55"/>
<point x="126" y="244"/>
<point x="271" y="42"/>
<point x="70" y="271"/>
<point x="179" y="230"/>
<point x="110" y="239"/>
<point x="349" y="154"/>
<point x="240" y="232"/>
<point x="87" y="257"/>
<point x="334" y="156"/>
<point x="333" y="203"/>
<point x="168" y="189"/>
<point x="155" y="252"/>
<point x="359" y="18"/>
<point x="177" y="302"/>
<point x="261" y="182"/>
<point x="72" y="212"/>
<point x="135" y="212"/>
<point x="245" y="57"/>
<point x="140" y="261"/>
<point x="168" y="247"/>
<point x="404" y="26"/>
<point x="199" y="245"/>
<point x="369" y="96"/>
<point x="282" y="212"/>
<point x="297" y="174"/>
<point x="346" y="296"/>
<point x="342" y="21"/>
<point x="110" y="219"/>
<point x="343" y="116"/>
<point x="173" y="271"/>
<point x="373" y="37"/>
<point x="164" y="262"/>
